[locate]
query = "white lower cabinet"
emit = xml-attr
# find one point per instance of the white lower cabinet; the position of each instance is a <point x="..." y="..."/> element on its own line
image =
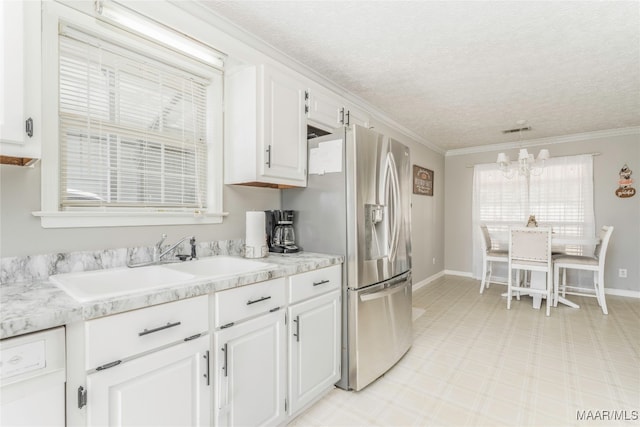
<point x="276" y="350"/>
<point x="276" y="347"/>
<point x="142" y="367"/>
<point x="170" y="387"/>
<point x="314" y="348"/>
<point x="250" y="367"/>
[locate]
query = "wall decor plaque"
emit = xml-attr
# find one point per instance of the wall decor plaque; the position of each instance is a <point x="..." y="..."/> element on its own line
<point x="625" y="182"/>
<point x="422" y="181"/>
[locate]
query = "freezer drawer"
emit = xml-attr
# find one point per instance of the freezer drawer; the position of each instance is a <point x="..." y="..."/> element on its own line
<point x="380" y="328"/>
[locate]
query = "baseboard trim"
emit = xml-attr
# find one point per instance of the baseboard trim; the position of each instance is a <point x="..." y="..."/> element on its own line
<point x="459" y="273"/>
<point x="609" y="291"/>
<point x="622" y="293"/>
<point x="425" y="282"/>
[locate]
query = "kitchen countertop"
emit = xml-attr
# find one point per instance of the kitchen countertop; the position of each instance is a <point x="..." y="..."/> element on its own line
<point x="36" y="305"/>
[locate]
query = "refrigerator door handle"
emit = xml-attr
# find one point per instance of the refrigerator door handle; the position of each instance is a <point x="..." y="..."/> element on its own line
<point x="395" y="288"/>
<point x="393" y="217"/>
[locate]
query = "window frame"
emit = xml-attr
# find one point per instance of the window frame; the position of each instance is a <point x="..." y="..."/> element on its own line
<point x="51" y="214"/>
<point x="520" y="206"/>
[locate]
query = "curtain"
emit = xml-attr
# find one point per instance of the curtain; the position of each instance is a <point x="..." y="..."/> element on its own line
<point x="560" y="196"/>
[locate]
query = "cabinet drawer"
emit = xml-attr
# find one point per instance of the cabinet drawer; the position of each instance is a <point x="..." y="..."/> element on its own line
<point x="247" y="301"/>
<point x="116" y="337"/>
<point x="316" y="282"/>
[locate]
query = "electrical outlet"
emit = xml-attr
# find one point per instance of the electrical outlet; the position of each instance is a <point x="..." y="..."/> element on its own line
<point x="434" y="261"/>
<point x="622" y="272"/>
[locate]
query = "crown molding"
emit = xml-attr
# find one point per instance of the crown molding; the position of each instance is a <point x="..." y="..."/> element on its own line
<point x="608" y="133"/>
<point x="233" y="30"/>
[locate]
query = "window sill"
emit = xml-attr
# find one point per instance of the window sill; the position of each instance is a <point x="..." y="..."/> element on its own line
<point x="79" y="219"/>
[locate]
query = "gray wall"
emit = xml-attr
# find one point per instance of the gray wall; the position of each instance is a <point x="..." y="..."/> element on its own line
<point x="21" y="233"/>
<point x="623" y="214"/>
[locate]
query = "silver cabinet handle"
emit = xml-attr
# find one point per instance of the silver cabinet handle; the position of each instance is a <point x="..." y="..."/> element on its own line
<point x="206" y="372"/>
<point x="224" y="362"/>
<point x="258" y="300"/>
<point x="268" y="162"/>
<point x="160" y="328"/>
<point x="322" y="282"/>
<point x="108" y="365"/>
<point x="297" y="334"/>
<point x="29" y="127"/>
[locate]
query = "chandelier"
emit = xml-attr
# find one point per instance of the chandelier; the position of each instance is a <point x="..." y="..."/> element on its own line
<point x="527" y="165"/>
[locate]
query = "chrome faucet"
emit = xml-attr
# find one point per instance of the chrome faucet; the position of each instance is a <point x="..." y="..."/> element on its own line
<point x="159" y="255"/>
<point x="173" y="247"/>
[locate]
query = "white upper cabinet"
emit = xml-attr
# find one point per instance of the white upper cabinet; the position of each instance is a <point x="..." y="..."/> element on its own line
<point x="355" y="116"/>
<point x="327" y="109"/>
<point x="265" y="132"/>
<point x="20" y="85"/>
<point x="324" y="108"/>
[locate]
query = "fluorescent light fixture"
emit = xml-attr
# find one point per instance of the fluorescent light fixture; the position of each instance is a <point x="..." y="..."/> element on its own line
<point x="158" y="32"/>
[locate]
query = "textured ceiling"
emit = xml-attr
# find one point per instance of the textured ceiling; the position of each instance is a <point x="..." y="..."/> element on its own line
<point x="457" y="73"/>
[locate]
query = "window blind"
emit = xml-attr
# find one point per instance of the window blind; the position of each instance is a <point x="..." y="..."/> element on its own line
<point x="560" y="197"/>
<point x="132" y="128"/>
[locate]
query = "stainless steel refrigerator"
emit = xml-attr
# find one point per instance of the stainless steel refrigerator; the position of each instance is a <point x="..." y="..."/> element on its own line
<point x="357" y="203"/>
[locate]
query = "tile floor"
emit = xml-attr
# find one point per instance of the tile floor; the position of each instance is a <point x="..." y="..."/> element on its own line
<point x="473" y="363"/>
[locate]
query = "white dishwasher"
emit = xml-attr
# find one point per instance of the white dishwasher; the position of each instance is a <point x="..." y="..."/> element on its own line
<point x="32" y="378"/>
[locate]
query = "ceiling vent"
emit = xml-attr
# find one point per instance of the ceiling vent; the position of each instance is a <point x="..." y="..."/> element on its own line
<point x="525" y="129"/>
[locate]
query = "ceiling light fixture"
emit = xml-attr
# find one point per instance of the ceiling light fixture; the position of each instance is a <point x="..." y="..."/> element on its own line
<point x="125" y="17"/>
<point x="527" y="165"/>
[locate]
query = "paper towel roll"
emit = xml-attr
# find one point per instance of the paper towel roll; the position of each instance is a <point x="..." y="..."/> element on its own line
<point x="255" y="231"/>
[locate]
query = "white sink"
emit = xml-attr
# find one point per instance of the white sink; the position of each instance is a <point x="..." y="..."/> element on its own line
<point x="219" y="266"/>
<point x="100" y="284"/>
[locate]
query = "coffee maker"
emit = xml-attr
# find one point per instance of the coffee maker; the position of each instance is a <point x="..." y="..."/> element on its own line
<point x="281" y="237"/>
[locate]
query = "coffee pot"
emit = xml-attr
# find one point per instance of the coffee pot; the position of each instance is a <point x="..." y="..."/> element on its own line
<point x="281" y="236"/>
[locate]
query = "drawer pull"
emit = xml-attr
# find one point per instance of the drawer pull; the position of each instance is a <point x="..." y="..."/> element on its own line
<point x="192" y="337"/>
<point x="322" y="282"/>
<point x="160" y="328"/>
<point x="108" y="365"/>
<point x="258" y="300"/>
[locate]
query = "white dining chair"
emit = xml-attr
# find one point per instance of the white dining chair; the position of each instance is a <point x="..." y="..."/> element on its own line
<point x="530" y="250"/>
<point x="489" y="256"/>
<point x="593" y="263"/>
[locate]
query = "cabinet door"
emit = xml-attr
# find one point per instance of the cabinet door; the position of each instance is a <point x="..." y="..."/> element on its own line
<point x="314" y="348"/>
<point x="285" y="142"/>
<point x="166" y="388"/>
<point x="19" y="78"/>
<point x="250" y="366"/>
<point x="324" y="109"/>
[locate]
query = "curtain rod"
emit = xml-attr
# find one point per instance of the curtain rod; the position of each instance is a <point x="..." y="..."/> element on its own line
<point x="583" y="154"/>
